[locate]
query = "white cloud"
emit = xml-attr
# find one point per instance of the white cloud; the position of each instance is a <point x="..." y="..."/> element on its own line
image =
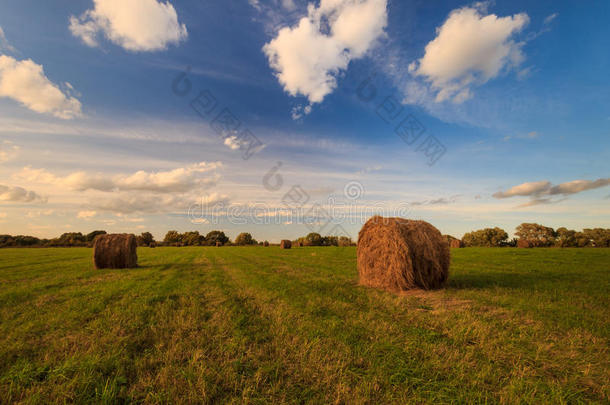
<point x="525" y="189"/>
<point x="86" y="214"/>
<point x="150" y="204"/>
<point x="308" y="57"/>
<point x="232" y="142"/>
<point x="8" y="151"/>
<point x="541" y="192"/>
<point x="470" y="49"/>
<point x="180" y="180"/>
<point x="19" y="194"/>
<point x="25" y="82"/>
<point x="4" y="44"/>
<point x="136" y="25"/>
<point x="577" y="186"/>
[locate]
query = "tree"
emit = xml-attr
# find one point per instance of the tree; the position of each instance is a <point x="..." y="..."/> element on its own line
<point x="216" y="236"/>
<point x="91" y="235"/>
<point x="598" y="237"/>
<point x="244" y="238"/>
<point x="313" y="239"/>
<point x="145" y="239"/>
<point x="345" y="241"/>
<point x="488" y="237"/>
<point x="193" y="239"/>
<point x="536" y="234"/>
<point x="172" y="238"/>
<point x="565" y="237"/>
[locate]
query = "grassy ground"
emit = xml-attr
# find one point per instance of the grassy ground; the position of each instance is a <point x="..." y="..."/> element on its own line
<point x="253" y="325"/>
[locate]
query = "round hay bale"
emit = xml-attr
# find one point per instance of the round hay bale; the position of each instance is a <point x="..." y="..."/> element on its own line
<point x="218" y="244"/>
<point x="266" y="244"/>
<point x="400" y="254"/>
<point x="524" y="243"/>
<point x="115" y="251"/>
<point x="152" y="245"/>
<point x="285" y="244"/>
<point x="456" y="243"/>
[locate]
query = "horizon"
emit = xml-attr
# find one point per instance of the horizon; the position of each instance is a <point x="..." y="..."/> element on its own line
<point x="158" y="116"/>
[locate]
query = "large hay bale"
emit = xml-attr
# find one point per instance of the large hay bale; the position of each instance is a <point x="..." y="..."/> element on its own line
<point x="456" y="243"/>
<point x="524" y="243"/>
<point x="115" y="251"/>
<point x="285" y="244"/>
<point x="401" y="254"/>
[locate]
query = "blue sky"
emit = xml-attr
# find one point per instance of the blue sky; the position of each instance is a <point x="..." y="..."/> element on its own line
<point x="92" y="136"/>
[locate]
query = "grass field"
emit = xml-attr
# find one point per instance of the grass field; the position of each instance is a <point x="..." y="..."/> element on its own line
<point x="254" y="325"/>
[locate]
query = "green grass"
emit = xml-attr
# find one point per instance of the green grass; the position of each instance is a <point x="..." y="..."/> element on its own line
<point x="263" y="325"/>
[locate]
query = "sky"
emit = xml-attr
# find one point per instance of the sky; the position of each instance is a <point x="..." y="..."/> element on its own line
<point x="284" y="117"/>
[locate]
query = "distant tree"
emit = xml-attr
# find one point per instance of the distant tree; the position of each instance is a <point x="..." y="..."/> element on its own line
<point x="244" y="238"/>
<point x="216" y="236"/>
<point x="69" y="239"/>
<point x="536" y="234"/>
<point x="192" y="239"/>
<point x="330" y="241"/>
<point x="172" y="238"/>
<point x="91" y="235"/>
<point x="565" y="237"/>
<point x="145" y="239"/>
<point x="488" y="237"/>
<point x="24" y="240"/>
<point x="345" y="241"/>
<point x="598" y="237"/>
<point x="313" y="239"/>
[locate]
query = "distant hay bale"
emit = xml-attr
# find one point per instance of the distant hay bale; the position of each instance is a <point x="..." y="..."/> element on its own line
<point x="456" y="243"/>
<point x="297" y="244"/>
<point x="524" y="243"/>
<point x="401" y="254"/>
<point x="152" y="245"/>
<point x="218" y="244"/>
<point x="285" y="244"/>
<point x="115" y="251"/>
<point x="266" y="244"/>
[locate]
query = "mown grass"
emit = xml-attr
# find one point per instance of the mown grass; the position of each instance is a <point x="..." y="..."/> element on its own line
<point x="261" y="325"/>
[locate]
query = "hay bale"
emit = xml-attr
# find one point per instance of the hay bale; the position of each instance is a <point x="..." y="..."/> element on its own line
<point x="115" y="251"/>
<point x="218" y="244"/>
<point x="456" y="243"/>
<point x="152" y="245"/>
<point x="524" y="243"/>
<point x="401" y="254"/>
<point x="266" y="244"/>
<point x="285" y="244"/>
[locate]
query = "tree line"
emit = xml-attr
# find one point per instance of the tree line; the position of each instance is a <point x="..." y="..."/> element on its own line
<point x="534" y="235"/>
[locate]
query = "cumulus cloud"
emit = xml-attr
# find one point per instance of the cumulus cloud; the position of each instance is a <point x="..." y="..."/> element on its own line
<point x="308" y="56"/>
<point x="470" y="49"/>
<point x="19" y="194"/>
<point x="180" y="180"/>
<point x="542" y="192"/>
<point x="135" y="25"/>
<point x="25" y="82"/>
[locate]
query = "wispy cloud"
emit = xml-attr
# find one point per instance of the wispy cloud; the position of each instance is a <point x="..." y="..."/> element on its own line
<point x="16" y="194"/>
<point x="541" y="192"/>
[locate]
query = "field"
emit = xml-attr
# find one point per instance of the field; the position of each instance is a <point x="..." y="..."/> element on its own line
<point x="254" y="325"/>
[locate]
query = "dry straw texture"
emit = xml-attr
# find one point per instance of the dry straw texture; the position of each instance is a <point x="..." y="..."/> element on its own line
<point x="456" y="243"/>
<point x="115" y="251"/>
<point x="400" y="254"/>
<point x="285" y="244"/>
